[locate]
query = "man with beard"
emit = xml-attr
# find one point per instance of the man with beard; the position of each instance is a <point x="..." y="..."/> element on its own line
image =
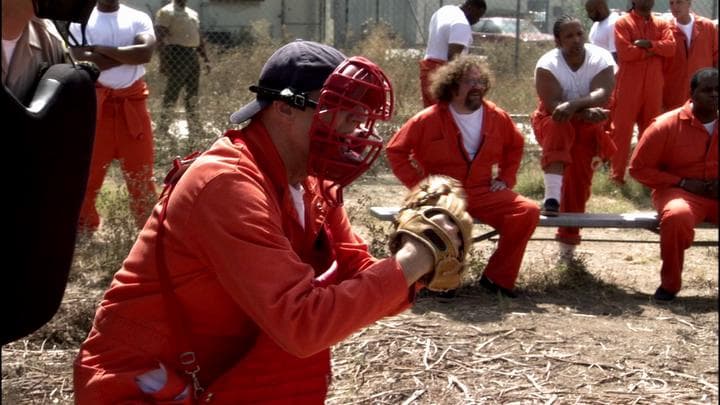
<point x="696" y="47"/>
<point x="469" y="138"/>
<point x="643" y="42"/>
<point x="602" y="32"/>
<point x="677" y="157"/>
<point x="573" y="83"/>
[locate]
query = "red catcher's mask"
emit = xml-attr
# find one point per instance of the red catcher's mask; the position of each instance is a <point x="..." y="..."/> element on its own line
<point x="359" y="92"/>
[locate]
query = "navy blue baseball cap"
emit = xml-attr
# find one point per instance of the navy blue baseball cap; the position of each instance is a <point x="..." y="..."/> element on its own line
<point x="292" y="71"/>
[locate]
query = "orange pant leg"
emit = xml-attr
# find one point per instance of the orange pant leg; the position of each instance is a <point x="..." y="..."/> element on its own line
<point x="651" y="108"/>
<point x="624" y="116"/>
<point x="113" y="141"/>
<point x="634" y="104"/>
<point x="555" y="138"/>
<point x="679" y="212"/>
<point x="578" y="175"/>
<point x="427" y="66"/>
<point x="515" y="218"/>
<point x="104" y="151"/>
<point x="136" y="160"/>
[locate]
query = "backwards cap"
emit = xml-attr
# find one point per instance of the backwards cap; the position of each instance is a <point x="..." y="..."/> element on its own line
<point x="300" y="67"/>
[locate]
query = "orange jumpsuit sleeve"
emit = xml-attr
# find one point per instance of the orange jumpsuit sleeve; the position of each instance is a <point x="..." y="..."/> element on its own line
<point x="512" y="150"/>
<point x="400" y="154"/>
<point x="626" y="33"/>
<point x="253" y="260"/>
<point x="646" y="163"/>
<point x="665" y="46"/>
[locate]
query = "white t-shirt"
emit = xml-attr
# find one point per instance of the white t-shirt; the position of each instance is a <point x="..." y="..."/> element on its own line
<point x="471" y="129"/>
<point x="447" y="26"/>
<point x="575" y="84"/>
<point x="710" y="126"/>
<point x="687" y="30"/>
<point x="116" y="29"/>
<point x="297" y="193"/>
<point x="602" y="33"/>
<point x="8" y="49"/>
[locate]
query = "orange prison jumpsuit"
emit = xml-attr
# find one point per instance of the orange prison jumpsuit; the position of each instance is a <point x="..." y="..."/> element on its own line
<point x="431" y="143"/>
<point x="674" y="147"/>
<point x="427" y="67"/>
<point x="123" y="131"/>
<point x="678" y="70"/>
<point x="639" y="81"/>
<point x="245" y="272"/>
<point x="574" y="143"/>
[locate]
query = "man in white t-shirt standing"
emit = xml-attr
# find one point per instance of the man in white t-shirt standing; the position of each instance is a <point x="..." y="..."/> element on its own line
<point x="449" y="35"/>
<point x="602" y="32"/>
<point x="574" y="82"/>
<point x="120" y="41"/>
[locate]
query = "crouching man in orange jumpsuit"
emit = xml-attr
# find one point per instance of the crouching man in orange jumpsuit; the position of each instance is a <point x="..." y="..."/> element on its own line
<point x="642" y="42"/>
<point x="574" y="82"/>
<point x="248" y="270"/>
<point x="121" y="40"/>
<point x="677" y="157"/>
<point x="464" y="136"/>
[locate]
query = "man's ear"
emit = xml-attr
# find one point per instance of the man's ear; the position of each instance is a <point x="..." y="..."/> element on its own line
<point x="283" y="109"/>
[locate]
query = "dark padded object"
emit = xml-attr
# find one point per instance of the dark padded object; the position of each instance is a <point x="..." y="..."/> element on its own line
<point x="48" y="147"/>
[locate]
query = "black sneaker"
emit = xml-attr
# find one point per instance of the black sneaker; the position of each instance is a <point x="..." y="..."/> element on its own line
<point x="550" y="208"/>
<point x="662" y="294"/>
<point x="493" y="288"/>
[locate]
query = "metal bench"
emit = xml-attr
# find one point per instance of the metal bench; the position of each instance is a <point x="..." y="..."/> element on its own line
<point x="633" y="220"/>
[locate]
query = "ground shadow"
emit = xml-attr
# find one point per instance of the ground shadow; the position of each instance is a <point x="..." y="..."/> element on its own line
<point x="568" y="285"/>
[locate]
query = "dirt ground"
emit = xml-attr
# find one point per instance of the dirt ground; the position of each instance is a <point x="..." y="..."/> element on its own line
<point x="583" y="332"/>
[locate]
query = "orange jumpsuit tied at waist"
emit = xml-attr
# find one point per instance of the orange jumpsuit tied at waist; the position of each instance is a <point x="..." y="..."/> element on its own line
<point x="678" y="70"/>
<point x="427" y="67"/>
<point x="431" y="143"/>
<point x="123" y="131"/>
<point x="573" y="143"/>
<point x="674" y="147"/>
<point x="639" y="81"/>
<point x="246" y="273"/>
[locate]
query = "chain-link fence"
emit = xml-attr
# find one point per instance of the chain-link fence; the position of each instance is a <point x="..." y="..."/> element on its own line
<point x="190" y="104"/>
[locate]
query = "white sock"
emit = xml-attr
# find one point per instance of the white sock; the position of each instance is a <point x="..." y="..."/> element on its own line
<point x="566" y="249"/>
<point x="553" y="186"/>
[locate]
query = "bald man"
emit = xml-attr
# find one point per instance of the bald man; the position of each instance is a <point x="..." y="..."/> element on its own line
<point x="602" y="32"/>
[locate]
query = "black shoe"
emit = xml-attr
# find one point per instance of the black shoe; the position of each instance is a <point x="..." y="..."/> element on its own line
<point x="495" y="289"/>
<point x="550" y="208"/>
<point x="662" y="294"/>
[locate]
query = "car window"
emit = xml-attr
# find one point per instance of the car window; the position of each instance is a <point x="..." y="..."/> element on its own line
<point x="490" y="27"/>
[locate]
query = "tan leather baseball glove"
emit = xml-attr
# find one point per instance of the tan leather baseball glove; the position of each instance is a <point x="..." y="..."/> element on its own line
<point x="436" y="194"/>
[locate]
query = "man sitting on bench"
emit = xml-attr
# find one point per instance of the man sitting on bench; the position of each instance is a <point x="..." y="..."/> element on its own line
<point x="464" y="136"/>
<point x="573" y="84"/>
<point x="677" y="157"/>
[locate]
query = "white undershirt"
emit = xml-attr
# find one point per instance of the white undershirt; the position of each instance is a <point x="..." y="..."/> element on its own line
<point x="710" y="126"/>
<point x="687" y="29"/>
<point x="297" y="193"/>
<point x="8" y="47"/>
<point x="471" y="129"/>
